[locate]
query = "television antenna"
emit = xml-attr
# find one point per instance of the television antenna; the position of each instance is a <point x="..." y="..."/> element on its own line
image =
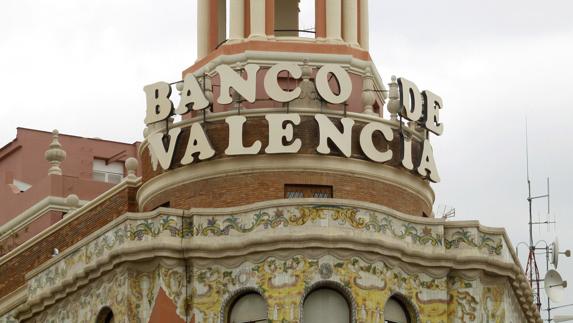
<point x="553" y="283"/>
<point x="447" y="212"/>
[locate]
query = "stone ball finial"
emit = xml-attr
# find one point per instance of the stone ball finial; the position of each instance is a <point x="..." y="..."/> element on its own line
<point x="131" y="165"/>
<point x="179" y="86"/>
<point x="73" y="201"/>
<point x="55" y="154"/>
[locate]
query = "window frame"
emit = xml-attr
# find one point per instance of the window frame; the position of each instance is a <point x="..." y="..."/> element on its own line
<point x="308" y="191"/>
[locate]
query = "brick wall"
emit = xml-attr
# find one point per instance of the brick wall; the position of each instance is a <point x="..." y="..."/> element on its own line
<point x="13" y="272"/>
<point x="242" y="189"/>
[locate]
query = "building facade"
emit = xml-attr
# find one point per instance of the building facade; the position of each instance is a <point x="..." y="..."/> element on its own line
<point x="288" y="184"/>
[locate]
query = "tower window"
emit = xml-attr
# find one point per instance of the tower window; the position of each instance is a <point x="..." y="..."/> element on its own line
<point x="250" y="307"/>
<point x="395" y="312"/>
<point x="326" y="305"/>
<point x="293" y="191"/>
<point x="295" y="18"/>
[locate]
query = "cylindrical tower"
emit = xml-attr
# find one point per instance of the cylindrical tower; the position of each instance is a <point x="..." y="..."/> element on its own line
<point x="265" y="33"/>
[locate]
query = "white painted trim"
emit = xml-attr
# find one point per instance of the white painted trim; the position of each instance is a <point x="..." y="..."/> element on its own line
<point x="49" y="203"/>
<point x="13" y="300"/>
<point x="93" y="236"/>
<point x="265" y="58"/>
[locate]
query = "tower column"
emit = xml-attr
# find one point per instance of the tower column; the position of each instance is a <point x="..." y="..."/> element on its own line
<point x="236" y="26"/>
<point x="320" y="18"/>
<point x="350" y="21"/>
<point x="364" y="34"/>
<point x="257" y="18"/>
<point x="333" y="20"/>
<point x="202" y="28"/>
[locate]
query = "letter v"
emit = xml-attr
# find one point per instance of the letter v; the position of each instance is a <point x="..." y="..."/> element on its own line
<point x="157" y="149"/>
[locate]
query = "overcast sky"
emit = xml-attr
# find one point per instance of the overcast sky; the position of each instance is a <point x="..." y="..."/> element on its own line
<point x="79" y="66"/>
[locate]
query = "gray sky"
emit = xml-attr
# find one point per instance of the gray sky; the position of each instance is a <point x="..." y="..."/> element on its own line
<point x="79" y="66"/>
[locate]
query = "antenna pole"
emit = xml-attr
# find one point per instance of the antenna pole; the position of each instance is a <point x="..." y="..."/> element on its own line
<point x="529" y="200"/>
<point x="531" y="267"/>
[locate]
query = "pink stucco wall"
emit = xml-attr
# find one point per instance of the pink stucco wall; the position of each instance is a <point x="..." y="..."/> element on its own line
<point x="23" y="160"/>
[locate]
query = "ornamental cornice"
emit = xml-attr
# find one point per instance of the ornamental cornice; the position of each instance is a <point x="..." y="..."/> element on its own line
<point x="263" y="228"/>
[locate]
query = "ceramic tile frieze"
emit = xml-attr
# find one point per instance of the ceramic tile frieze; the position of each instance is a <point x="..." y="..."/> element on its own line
<point x="83" y="305"/>
<point x="144" y="286"/>
<point x="131" y="231"/>
<point x="472" y="300"/>
<point x="463" y="299"/>
<point x="320" y="216"/>
<point x="284" y="282"/>
<point x="380" y="225"/>
<point x="8" y="318"/>
<point x="473" y="239"/>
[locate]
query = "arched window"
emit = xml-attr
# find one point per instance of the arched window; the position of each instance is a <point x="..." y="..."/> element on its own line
<point x="395" y="312"/>
<point x="325" y="305"/>
<point x="249" y="307"/>
<point x="105" y="315"/>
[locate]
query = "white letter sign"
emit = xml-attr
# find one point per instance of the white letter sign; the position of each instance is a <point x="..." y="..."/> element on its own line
<point x="432" y="106"/>
<point x="277" y="133"/>
<point x="272" y="87"/>
<point x="247" y="88"/>
<point x="198" y="143"/>
<point x="328" y="130"/>
<point x="367" y="144"/>
<point x="324" y="89"/>
<point x="159" y="106"/>
<point x="410" y="100"/>
<point x="191" y="96"/>
<point x="157" y="148"/>
<point x="427" y="166"/>
<point x="236" y="138"/>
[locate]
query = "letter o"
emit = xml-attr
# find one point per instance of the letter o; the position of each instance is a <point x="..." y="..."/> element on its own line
<point x="343" y="80"/>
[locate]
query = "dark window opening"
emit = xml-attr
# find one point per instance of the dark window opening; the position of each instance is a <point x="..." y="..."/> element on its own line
<point x="295" y="18"/>
<point x="105" y="316"/>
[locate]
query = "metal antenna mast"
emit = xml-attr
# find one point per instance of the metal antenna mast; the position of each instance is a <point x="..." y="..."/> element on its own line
<point x="531" y="269"/>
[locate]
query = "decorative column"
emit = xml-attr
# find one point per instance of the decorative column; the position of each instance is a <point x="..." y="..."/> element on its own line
<point x="257" y="19"/>
<point x="203" y="32"/>
<point x="55" y="155"/>
<point x="350" y="22"/>
<point x="237" y="20"/>
<point x="393" y="99"/>
<point x="333" y="20"/>
<point x="320" y="18"/>
<point x="368" y="97"/>
<point x="364" y="33"/>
